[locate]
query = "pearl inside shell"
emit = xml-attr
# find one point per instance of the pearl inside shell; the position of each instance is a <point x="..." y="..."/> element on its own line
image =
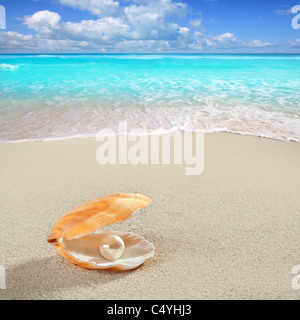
<point x="112" y="247"/>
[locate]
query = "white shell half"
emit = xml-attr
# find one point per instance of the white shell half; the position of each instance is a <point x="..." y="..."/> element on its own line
<point x="86" y="250"/>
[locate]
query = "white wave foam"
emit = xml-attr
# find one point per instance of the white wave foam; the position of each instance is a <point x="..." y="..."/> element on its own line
<point x="8" y="66"/>
<point x="46" y="123"/>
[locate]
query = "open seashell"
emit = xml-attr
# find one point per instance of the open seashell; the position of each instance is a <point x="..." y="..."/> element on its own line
<point x="76" y="235"/>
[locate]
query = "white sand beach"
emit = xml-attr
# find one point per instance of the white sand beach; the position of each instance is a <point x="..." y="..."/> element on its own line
<point x="230" y="233"/>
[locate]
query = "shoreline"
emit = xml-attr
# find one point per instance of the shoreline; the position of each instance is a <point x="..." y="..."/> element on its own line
<point x="229" y="233"/>
<point x="156" y="132"/>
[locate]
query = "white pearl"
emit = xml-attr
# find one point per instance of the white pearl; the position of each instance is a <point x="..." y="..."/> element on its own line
<point x="112" y="247"/>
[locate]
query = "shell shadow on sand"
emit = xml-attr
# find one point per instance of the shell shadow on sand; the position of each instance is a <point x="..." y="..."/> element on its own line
<point x="36" y="278"/>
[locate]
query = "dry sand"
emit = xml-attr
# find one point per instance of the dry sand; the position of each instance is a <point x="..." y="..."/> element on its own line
<point x="230" y="233"/>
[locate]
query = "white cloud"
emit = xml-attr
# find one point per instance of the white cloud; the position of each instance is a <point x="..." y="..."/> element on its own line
<point x="79" y="42"/>
<point x="101" y="8"/>
<point x="162" y="8"/>
<point x="295" y="43"/>
<point x="195" y="23"/>
<point x="48" y="25"/>
<point x="142" y="46"/>
<point x="43" y="21"/>
<point x="225" y="38"/>
<point x="184" y="31"/>
<point x="137" y="25"/>
<point x="106" y="30"/>
<point x="11" y="40"/>
<point x="285" y="12"/>
<point x="261" y="44"/>
<point x="222" y="41"/>
<point x="144" y="16"/>
<point x="225" y="41"/>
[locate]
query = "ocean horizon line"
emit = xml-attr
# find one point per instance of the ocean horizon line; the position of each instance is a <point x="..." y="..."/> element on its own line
<point x="149" y="53"/>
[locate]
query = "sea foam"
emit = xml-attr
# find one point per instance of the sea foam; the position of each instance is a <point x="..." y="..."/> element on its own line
<point x="5" y="66"/>
<point x="59" y="96"/>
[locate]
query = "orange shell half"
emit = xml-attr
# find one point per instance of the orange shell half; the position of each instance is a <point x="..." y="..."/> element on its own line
<point x="96" y="214"/>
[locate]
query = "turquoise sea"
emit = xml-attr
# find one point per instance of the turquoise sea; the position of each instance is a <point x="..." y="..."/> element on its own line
<point x="60" y="96"/>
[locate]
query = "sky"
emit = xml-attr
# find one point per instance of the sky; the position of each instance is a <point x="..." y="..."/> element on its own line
<point x="149" y="26"/>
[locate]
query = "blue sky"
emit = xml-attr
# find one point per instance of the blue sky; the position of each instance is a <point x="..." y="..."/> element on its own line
<point x="200" y="26"/>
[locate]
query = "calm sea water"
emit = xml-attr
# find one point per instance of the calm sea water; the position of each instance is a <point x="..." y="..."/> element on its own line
<point x="58" y="96"/>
